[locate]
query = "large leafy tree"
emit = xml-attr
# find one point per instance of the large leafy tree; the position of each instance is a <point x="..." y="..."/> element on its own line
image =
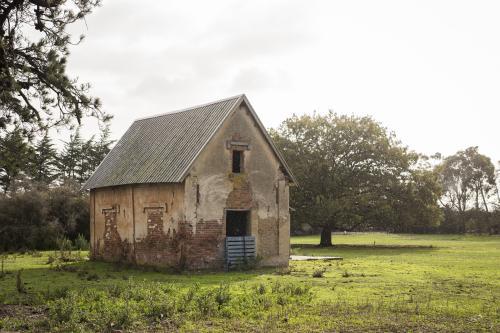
<point x="468" y="179"/>
<point x="414" y="202"/>
<point x="347" y="167"/>
<point x="35" y="90"/>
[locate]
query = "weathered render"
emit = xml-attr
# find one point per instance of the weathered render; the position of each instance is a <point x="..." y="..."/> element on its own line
<point x="176" y="184"/>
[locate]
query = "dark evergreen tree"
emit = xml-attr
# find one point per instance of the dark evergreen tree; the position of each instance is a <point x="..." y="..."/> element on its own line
<point x="35" y="91"/>
<point x="70" y="158"/>
<point x="43" y="164"/>
<point x="15" y="153"/>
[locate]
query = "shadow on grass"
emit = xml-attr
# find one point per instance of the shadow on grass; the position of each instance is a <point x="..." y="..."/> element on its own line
<point x="363" y="246"/>
<point x="104" y="270"/>
<point x="361" y="250"/>
<point x="52" y="279"/>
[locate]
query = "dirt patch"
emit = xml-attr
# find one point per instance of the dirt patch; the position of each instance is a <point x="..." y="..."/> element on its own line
<point x="26" y="312"/>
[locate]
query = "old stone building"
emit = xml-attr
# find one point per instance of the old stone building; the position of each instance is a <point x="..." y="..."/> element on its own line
<point x="176" y="186"/>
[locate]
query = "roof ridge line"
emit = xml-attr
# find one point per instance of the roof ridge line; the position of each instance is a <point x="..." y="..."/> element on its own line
<point x="190" y="108"/>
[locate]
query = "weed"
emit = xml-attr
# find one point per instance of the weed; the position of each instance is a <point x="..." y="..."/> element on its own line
<point x="222" y="295"/>
<point x="319" y="273"/>
<point x="64" y="245"/>
<point x="115" y="290"/>
<point x="261" y="289"/>
<point x="20" y="286"/>
<point x="3" y="257"/>
<point x="82" y="274"/>
<point x="92" y="277"/>
<point x="191" y="293"/>
<point x="50" y="260"/>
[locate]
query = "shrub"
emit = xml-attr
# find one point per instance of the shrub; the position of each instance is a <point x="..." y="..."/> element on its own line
<point x="64" y="246"/>
<point x="133" y="306"/>
<point x="81" y="243"/>
<point x="36" y="218"/>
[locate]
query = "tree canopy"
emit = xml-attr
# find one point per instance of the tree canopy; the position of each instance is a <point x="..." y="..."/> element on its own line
<point x="352" y="172"/>
<point x="468" y="179"/>
<point x="35" y="90"/>
<point x="39" y="163"/>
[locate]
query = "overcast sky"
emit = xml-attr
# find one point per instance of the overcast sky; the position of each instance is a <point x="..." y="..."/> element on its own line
<point x="428" y="70"/>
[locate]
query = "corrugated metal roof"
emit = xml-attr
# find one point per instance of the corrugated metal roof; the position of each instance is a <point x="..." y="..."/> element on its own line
<point x="160" y="149"/>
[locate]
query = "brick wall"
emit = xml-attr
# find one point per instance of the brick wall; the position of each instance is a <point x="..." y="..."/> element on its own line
<point x="241" y="195"/>
<point x="206" y="245"/>
<point x="182" y="248"/>
<point x="113" y="249"/>
<point x="157" y="248"/>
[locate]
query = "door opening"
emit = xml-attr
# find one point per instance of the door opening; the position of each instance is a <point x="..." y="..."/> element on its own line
<point x="237" y="223"/>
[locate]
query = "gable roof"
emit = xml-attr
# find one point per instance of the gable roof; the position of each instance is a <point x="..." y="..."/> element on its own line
<point x="162" y="148"/>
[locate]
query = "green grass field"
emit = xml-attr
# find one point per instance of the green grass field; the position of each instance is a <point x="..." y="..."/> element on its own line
<point x="386" y="283"/>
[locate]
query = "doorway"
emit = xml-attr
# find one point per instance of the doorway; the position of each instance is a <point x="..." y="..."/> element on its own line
<point x="237" y="223"/>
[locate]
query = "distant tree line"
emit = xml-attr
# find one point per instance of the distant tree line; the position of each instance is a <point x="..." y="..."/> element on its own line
<point x="41" y="198"/>
<point x="354" y="175"/>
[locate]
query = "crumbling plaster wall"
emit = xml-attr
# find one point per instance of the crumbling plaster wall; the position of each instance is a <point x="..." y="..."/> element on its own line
<point x="211" y="187"/>
<point x="184" y="224"/>
<point x="137" y="223"/>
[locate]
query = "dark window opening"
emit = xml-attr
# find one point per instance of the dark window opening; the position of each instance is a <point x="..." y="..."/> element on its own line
<point x="237" y="161"/>
<point x="236" y="223"/>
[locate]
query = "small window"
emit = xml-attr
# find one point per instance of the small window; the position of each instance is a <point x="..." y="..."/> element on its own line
<point x="237" y="161"/>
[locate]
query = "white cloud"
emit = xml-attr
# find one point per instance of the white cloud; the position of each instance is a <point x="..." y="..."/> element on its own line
<point x="429" y="70"/>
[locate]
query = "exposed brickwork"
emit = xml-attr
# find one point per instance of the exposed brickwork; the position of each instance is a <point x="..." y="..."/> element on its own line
<point x="182" y="248"/>
<point x="113" y="249"/>
<point x="241" y="195"/>
<point x="189" y="230"/>
<point x="157" y="248"/>
<point x="206" y="245"/>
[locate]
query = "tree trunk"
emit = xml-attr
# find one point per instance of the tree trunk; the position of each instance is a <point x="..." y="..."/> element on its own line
<point x="326" y="236"/>
<point x="484" y="200"/>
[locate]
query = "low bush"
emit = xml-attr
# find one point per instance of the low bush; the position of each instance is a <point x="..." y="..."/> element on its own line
<point x="141" y="304"/>
<point x="37" y="218"/>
